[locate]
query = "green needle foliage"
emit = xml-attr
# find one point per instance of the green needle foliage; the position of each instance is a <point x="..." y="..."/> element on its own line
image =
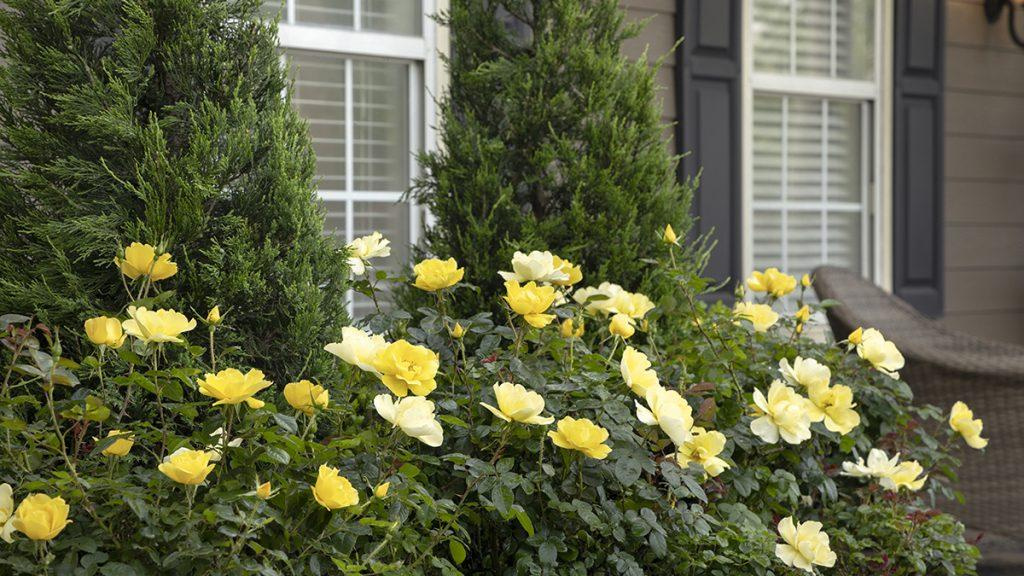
<point x="551" y="140"/>
<point x="166" y="122"/>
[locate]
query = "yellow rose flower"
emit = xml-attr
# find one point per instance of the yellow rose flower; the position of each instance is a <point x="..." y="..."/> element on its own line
<point x="231" y="387"/>
<point x="574" y="273"/>
<point x="121" y="446"/>
<point x="381" y="491"/>
<point x="189" y="467"/>
<point x="881" y="353"/>
<point x="879" y="465"/>
<point x="668" y="410"/>
<point x="305" y="396"/>
<point x="433" y="274"/>
<point x="264" y="491"/>
<point x="333" y="491"/>
<point x="458" y="331"/>
<point x="703" y="448"/>
<point x="105" y="331"/>
<point x="363" y="249"/>
<point x="761" y="316"/>
<point x="517" y="404"/>
<point x="531" y="302"/>
<point x="805" y="547"/>
<point x="905" y="475"/>
<point x="582" y="435"/>
<point x="856" y="337"/>
<point x="636" y="371"/>
<point x="41" y="517"/>
<point x="6" y="513"/>
<point x="772" y="282"/>
<point x="213" y="316"/>
<point x="669" y="236"/>
<point x="358" y="348"/>
<point x="805" y="280"/>
<point x="783" y="413"/>
<point x="622" y="326"/>
<point x="632" y="304"/>
<point x="961" y="420"/>
<point x="404" y="368"/>
<point x="156" y="326"/>
<point x="806" y="372"/>
<point x="141" y="260"/>
<point x="414" y="415"/>
<point x="568" y="329"/>
<point x="834" y="405"/>
<point x="598" y="300"/>
<point x="803" y="315"/>
<point x="536" y="266"/>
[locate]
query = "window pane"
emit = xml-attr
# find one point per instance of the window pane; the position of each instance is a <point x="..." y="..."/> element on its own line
<point x="855" y="39"/>
<point x="813" y="37"/>
<point x="844" y="240"/>
<point x="767" y="161"/>
<point x="803" y="242"/>
<point x="845" y="144"/>
<point x="804" y="150"/>
<point x="770" y="30"/>
<point x="334" y="220"/>
<point x="392" y="220"/>
<point x="393" y="16"/>
<point x="337" y="13"/>
<point x="767" y="239"/>
<point x="320" y="98"/>
<point x="381" y="130"/>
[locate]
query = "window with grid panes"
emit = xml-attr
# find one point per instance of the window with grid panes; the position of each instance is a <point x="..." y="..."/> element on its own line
<point x="815" y="89"/>
<point x="358" y="68"/>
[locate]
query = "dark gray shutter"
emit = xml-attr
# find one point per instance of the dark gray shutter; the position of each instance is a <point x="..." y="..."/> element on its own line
<point x="918" y="75"/>
<point x="708" y="90"/>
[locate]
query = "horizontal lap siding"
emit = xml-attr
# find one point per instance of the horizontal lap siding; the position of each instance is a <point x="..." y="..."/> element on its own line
<point x="657" y="38"/>
<point x="984" y="175"/>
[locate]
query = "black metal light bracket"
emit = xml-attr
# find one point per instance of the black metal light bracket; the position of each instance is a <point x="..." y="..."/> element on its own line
<point x="994" y="8"/>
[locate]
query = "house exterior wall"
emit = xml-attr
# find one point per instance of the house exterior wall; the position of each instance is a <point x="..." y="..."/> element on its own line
<point x="984" y="175"/>
<point x="657" y="38"/>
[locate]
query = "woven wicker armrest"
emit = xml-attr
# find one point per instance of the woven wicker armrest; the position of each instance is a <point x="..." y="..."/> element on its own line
<point x="943" y="366"/>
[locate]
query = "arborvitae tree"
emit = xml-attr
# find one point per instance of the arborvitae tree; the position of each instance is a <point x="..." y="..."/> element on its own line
<point x="551" y="139"/>
<point x="166" y="122"/>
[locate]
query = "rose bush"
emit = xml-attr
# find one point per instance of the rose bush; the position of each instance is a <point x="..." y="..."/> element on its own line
<point x="589" y="431"/>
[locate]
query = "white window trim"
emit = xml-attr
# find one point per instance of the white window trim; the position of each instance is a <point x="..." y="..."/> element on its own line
<point x="878" y="240"/>
<point x="424" y="85"/>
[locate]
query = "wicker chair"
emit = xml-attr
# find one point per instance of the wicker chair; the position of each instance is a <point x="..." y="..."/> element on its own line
<point x="943" y="366"/>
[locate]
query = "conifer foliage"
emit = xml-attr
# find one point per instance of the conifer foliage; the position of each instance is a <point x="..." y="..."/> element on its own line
<point x="551" y="139"/>
<point x="165" y="122"/>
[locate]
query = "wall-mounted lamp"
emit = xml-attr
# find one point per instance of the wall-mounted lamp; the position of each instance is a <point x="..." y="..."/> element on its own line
<point x="994" y="8"/>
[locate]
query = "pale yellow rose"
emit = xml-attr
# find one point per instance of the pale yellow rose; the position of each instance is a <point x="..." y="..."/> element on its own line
<point x="121" y="446"/>
<point x="805" y="372"/>
<point x="761" y="316"/>
<point x="105" y="331"/>
<point x="834" y="406"/>
<point x="531" y="302"/>
<point x="41" y="517"/>
<point x="632" y="304"/>
<point x="879" y="465"/>
<point x="668" y="410"/>
<point x="574" y="273"/>
<point x="905" y="475"/>
<point x="637" y="372"/>
<point x="517" y="404"/>
<point x="881" y="353"/>
<point x="961" y="420"/>
<point x="536" y="266"/>
<point x="772" y="282"/>
<point x="405" y="368"/>
<point x="189" y="467"/>
<point x="231" y="387"/>
<point x="305" y="396"/>
<point x="598" y="300"/>
<point x="782" y="414"/>
<point x="358" y="348"/>
<point x="805" y="547"/>
<point x="414" y="415"/>
<point x="704" y="448"/>
<point x="433" y="274"/>
<point x="156" y="326"/>
<point x="622" y="326"/>
<point x="141" y="260"/>
<point x="365" y="248"/>
<point x="333" y="491"/>
<point x="6" y="513"/>
<point x="582" y="435"/>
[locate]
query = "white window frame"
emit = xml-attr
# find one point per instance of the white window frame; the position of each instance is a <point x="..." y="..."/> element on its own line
<point x="876" y="196"/>
<point x="421" y="54"/>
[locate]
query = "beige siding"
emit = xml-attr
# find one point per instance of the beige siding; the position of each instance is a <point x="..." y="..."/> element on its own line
<point x="657" y="38"/>
<point x="984" y="174"/>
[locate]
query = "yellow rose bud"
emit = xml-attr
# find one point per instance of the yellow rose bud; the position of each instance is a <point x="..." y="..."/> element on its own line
<point x="141" y="260"/>
<point x="531" y="302"/>
<point x="805" y="280"/>
<point x="156" y="326"/>
<point x="104" y="331"/>
<point x="856" y="337"/>
<point x="458" y="331"/>
<point x="568" y="329"/>
<point x="405" y="367"/>
<point x="41" y="517"/>
<point x="961" y="420"/>
<point x="669" y="236"/>
<point x="213" y="317"/>
<point x="621" y="325"/>
<point x="263" y="491"/>
<point x="803" y="314"/>
<point x="121" y="446"/>
<point x="305" y="396"/>
<point x="381" y="491"/>
<point x="189" y="467"/>
<point x="333" y="491"/>
<point x="232" y="387"/>
<point x="433" y="274"/>
<point x="582" y="435"/>
<point x="517" y="404"/>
